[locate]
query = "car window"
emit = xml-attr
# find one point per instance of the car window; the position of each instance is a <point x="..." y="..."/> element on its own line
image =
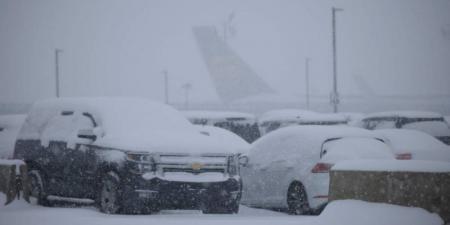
<point x="354" y="148"/>
<point x="59" y="128"/>
<point x="380" y="123"/>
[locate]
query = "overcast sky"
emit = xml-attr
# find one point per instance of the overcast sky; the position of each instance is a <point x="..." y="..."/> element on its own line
<point x="113" y="47"/>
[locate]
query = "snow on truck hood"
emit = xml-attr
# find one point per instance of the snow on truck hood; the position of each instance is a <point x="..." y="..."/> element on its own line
<point x="167" y="142"/>
<point x="131" y="124"/>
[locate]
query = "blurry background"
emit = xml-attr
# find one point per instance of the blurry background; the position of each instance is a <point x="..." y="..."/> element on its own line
<point x="391" y="54"/>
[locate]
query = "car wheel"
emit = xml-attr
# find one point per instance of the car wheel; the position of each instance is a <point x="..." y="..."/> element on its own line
<point x="37" y="188"/>
<point x="297" y="200"/>
<point x="109" y="201"/>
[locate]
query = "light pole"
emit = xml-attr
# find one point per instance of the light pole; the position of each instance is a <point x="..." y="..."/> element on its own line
<point x="334" y="97"/>
<point x="187" y="87"/>
<point x="57" y="52"/>
<point x="166" y="86"/>
<point x="307" y="81"/>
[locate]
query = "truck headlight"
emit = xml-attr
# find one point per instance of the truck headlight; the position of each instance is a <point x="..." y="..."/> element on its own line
<point x="233" y="165"/>
<point x="141" y="162"/>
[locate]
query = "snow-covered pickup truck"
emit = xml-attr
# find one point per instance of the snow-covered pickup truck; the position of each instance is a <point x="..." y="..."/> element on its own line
<point x="127" y="156"/>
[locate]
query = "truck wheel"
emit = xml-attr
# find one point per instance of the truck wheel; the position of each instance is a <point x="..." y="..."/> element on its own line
<point x="297" y="200"/>
<point x="109" y="198"/>
<point x="37" y="188"/>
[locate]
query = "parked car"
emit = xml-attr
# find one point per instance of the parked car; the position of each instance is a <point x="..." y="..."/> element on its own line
<point x="276" y="119"/>
<point x="428" y="122"/>
<point x="127" y="156"/>
<point x="242" y="124"/>
<point x="9" y="127"/>
<point x="352" y="118"/>
<point x="225" y="137"/>
<point x="288" y="168"/>
<point x="416" y="145"/>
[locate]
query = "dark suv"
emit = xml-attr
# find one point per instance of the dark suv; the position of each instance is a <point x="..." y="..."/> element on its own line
<point x="127" y="156"/>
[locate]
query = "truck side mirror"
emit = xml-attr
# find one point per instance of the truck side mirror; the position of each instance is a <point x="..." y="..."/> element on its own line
<point x="243" y="160"/>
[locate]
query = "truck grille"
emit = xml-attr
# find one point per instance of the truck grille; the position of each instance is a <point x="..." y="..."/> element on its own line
<point x="192" y="164"/>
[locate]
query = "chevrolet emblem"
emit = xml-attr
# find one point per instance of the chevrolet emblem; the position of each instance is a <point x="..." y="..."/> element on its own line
<point x="196" y="166"/>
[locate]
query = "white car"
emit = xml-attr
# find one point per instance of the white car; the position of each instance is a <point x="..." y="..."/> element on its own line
<point x="416" y="145"/>
<point x="275" y="119"/>
<point x="288" y="168"/>
<point x="428" y="122"/>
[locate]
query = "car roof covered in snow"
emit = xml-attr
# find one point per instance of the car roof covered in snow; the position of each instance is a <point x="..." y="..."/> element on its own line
<point x="298" y="115"/>
<point x="420" y="144"/>
<point x="290" y="143"/>
<point x="406" y="114"/>
<point x="128" y="123"/>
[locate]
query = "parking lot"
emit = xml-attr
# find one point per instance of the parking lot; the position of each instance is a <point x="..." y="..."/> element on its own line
<point x="20" y="212"/>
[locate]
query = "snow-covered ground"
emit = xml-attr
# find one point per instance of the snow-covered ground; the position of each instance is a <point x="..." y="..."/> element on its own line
<point x="347" y="212"/>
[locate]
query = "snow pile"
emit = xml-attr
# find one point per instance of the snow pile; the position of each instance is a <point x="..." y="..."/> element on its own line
<point x="344" y="212"/>
<point x="393" y="166"/>
<point x="9" y="128"/>
<point x="126" y="123"/>
<point x="353" y="212"/>
<point x="421" y="145"/>
<point x="351" y="148"/>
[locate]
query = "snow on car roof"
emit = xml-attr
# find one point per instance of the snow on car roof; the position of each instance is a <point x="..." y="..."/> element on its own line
<point x="300" y="116"/>
<point x="393" y="166"/>
<point x="409" y="139"/>
<point x="420" y="144"/>
<point x="128" y="123"/>
<point x="407" y="114"/>
<point x="300" y="144"/>
<point x="318" y="133"/>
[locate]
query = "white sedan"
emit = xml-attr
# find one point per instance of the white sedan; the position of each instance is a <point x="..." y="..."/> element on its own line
<point x="288" y="168"/>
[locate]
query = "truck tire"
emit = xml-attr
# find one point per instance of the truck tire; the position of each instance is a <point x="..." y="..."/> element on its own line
<point x="109" y="196"/>
<point x="38" y="187"/>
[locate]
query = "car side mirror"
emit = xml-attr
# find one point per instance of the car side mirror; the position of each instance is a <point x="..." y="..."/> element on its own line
<point x="87" y="134"/>
<point x="243" y="160"/>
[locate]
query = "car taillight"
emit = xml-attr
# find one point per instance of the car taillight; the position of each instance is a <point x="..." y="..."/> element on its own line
<point x="403" y="156"/>
<point x="321" y="168"/>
